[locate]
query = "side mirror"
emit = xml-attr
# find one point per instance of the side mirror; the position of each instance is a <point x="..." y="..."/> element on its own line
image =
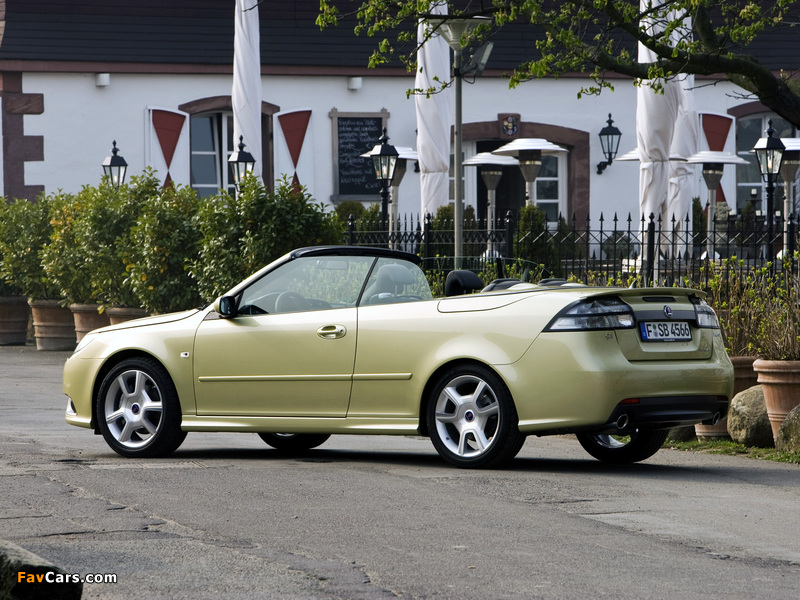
<point x="225" y="306"/>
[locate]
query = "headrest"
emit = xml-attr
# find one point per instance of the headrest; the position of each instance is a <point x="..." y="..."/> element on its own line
<point x="460" y="282"/>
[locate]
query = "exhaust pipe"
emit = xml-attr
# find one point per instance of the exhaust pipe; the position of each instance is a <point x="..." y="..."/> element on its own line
<point x="623" y="420"/>
<point x="715" y="419"/>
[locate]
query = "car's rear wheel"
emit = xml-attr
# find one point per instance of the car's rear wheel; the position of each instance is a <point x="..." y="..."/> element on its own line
<point x="472" y="420"/>
<point x="294" y="442"/>
<point x="138" y="409"/>
<point x="637" y="446"/>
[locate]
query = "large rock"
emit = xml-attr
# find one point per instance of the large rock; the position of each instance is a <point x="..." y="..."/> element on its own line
<point x="748" y="423"/>
<point x="788" y="436"/>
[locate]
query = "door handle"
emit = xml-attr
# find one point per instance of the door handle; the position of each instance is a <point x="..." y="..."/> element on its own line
<point x="332" y="332"/>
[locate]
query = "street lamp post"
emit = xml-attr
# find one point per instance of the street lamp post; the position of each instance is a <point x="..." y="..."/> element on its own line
<point x="115" y="167"/>
<point x="769" y="153"/>
<point x="241" y="163"/>
<point x="384" y="161"/>
<point x="453" y="30"/>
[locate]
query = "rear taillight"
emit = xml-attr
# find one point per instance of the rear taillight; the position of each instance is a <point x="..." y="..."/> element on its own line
<point x="593" y="314"/>
<point x="706" y="317"/>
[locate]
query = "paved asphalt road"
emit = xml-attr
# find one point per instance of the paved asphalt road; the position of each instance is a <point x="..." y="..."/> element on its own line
<point x="384" y="517"/>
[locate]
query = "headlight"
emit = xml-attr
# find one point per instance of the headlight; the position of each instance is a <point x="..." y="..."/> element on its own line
<point x="706" y="317"/>
<point x="593" y="314"/>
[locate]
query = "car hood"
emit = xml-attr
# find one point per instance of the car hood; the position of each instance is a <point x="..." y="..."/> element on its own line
<point x="146" y="321"/>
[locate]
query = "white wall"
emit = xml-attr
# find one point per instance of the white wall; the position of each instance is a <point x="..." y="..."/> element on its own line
<point x="80" y="120"/>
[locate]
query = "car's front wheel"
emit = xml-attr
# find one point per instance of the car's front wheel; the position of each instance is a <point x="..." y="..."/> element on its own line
<point x="637" y="446"/>
<point x="472" y="420"/>
<point x="294" y="442"/>
<point x="138" y="409"/>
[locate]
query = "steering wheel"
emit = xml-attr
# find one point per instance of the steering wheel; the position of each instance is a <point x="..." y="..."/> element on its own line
<point x="290" y="301"/>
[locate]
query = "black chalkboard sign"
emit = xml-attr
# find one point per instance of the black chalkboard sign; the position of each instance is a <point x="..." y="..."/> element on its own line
<point x="357" y="135"/>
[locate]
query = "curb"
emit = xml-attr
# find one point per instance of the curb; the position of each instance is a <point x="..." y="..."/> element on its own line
<point x="15" y="560"/>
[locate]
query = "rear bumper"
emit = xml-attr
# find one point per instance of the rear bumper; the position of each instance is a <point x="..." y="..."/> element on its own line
<point x="666" y="412"/>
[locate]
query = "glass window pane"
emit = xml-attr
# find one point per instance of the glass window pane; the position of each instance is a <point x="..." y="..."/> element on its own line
<point x="745" y="196"/>
<point x="202" y="134"/>
<point x="749" y="172"/>
<point x="550" y="209"/>
<point x="204" y="169"/>
<point x="748" y="132"/>
<point x="230" y="135"/>
<point x="546" y="190"/>
<point x="549" y="167"/>
<point x="395" y="281"/>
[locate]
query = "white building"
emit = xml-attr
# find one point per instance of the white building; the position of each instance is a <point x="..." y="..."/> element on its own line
<point x="156" y="77"/>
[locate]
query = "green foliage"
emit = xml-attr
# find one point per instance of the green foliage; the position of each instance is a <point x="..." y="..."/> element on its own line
<point x="535" y="242"/>
<point x="596" y="38"/>
<point x="107" y="244"/>
<point x="163" y="241"/>
<point x="24" y="231"/>
<point x="62" y="257"/>
<point x="240" y="235"/>
<point x="758" y="309"/>
<point x="350" y="207"/>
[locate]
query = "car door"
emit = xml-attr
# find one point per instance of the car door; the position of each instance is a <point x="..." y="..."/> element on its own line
<point x="290" y="351"/>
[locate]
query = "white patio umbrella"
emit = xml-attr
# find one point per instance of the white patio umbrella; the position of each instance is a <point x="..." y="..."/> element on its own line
<point x="246" y="92"/>
<point x="655" y="122"/>
<point x="434" y="118"/>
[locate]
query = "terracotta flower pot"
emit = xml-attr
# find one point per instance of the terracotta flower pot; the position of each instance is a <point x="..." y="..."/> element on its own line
<point x="53" y="325"/>
<point x="780" y="380"/>
<point x="87" y="317"/>
<point x="14" y="317"/>
<point x="120" y="314"/>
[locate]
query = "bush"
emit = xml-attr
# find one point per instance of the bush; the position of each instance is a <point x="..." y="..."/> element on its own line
<point x="163" y="242"/>
<point x="24" y="231"/>
<point x="106" y="241"/>
<point x="62" y="257"/>
<point x="239" y="235"/>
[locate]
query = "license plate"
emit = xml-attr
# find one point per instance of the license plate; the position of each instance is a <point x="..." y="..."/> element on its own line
<point x="665" y="331"/>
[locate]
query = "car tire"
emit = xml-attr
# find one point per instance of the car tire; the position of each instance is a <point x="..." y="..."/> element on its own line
<point x="294" y="442"/>
<point x="138" y="411"/>
<point x="472" y="420"/>
<point x="638" y="446"/>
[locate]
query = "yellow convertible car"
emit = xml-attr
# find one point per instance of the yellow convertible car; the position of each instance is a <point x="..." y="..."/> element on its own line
<point x="349" y="340"/>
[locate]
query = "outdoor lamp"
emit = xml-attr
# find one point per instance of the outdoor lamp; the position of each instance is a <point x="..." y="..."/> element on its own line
<point x="115" y="167"/>
<point x="385" y="161"/>
<point x="769" y="153"/>
<point x="241" y="163"/>
<point x="609" y="142"/>
<point x="530" y="163"/>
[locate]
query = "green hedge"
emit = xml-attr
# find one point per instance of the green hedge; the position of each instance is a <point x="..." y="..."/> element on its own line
<point x="144" y="245"/>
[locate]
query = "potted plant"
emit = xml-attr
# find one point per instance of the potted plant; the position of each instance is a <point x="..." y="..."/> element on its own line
<point x="776" y="309"/>
<point x="106" y="242"/>
<point x="64" y="260"/>
<point x="731" y="293"/>
<point x="24" y="231"/>
<point x="14" y="314"/>
<point x="164" y="240"/>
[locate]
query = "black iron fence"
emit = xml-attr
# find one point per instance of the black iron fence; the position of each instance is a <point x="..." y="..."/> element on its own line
<point x="674" y="253"/>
